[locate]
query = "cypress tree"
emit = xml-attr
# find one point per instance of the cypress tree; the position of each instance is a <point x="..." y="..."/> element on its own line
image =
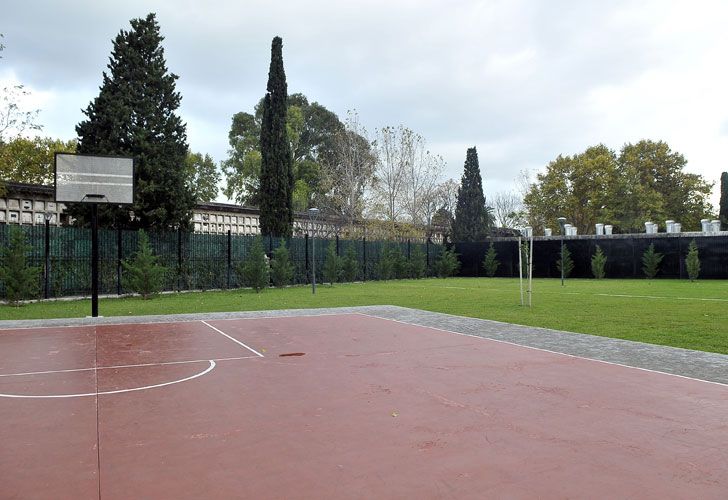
<point x="723" y="213"/>
<point x="134" y="115"/>
<point x="471" y="215"/>
<point x="276" y="168"/>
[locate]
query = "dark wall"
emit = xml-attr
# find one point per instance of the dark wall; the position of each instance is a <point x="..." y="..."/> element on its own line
<point x="624" y="255"/>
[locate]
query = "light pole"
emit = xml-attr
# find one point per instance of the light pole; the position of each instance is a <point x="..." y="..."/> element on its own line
<point x="562" y="223"/>
<point x="47" y="278"/>
<point x="313" y="213"/>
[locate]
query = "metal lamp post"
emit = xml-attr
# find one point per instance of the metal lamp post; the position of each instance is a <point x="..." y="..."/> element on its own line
<point x="562" y="223"/>
<point x="313" y="213"/>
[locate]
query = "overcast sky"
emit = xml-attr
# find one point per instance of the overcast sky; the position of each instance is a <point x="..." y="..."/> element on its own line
<point x="523" y="80"/>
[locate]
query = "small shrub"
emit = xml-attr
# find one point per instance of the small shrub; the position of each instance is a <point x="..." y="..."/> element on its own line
<point x="386" y="267"/>
<point x="568" y="262"/>
<point x="142" y="274"/>
<point x="692" y="261"/>
<point x="598" y="262"/>
<point x="447" y="264"/>
<point x="281" y="267"/>
<point x="651" y="261"/>
<point x="417" y="263"/>
<point x="490" y="263"/>
<point x="254" y="271"/>
<point x="21" y="280"/>
<point x="332" y="265"/>
<point x="349" y="265"/>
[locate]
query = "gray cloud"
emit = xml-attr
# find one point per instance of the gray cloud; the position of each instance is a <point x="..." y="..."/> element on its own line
<point x="522" y="80"/>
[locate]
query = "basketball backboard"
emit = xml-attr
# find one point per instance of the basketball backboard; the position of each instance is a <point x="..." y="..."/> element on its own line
<point x="94" y="179"/>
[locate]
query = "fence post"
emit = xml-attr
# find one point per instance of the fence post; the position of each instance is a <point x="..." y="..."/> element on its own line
<point x="179" y="258"/>
<point x="364" y="242"/>
<point x="119" y="255"/>
<point x="229" y="255"/>
<point x="308" y="276"/>
<point x="427" y="252"/>
<point x="409" y="249"/>
<point x="47" y="274"/>
<point x="337" y="244"/>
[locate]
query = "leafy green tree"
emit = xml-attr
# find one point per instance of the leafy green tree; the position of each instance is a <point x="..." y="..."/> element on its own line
<point x="651" y="261"/>
<point x="276" y="169"/>
<point x="20" y="279"/>
<point x="723" y="210"/>
<point x="598" y="262"/>
<point x="447" y="264"/>
<point x="30" y="160"/>
<point x="202" y="176"/>
<point x="645" y="181"/>
<point x="652" y="185"/>
<point x="350" y="265"/>
<point x="579" y="187"/>
<point x="281" y="267"/>
<point x="490" y="263"/>
<point x="568" y="262"/>
<point x="692" y="261"/>
<point x="135" y="114"/>
<point x="143" y="274"/>
<point x="417" y="263"/>
<point x="332" y="265"/>
<point x="254" y="271"/>
<point x="472" y="219"/>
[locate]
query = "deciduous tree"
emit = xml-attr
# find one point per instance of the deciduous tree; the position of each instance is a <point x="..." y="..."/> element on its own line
<point x="202" y="176"/>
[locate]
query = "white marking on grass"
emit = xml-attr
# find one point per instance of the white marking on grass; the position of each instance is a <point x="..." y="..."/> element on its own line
<point x="233" y="339"/>
<point x="627" y="296"/>
<point x="547" y="350"/>
<point x="118" y="391"/>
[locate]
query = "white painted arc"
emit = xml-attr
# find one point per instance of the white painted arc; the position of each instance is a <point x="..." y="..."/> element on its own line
<point x="118" y="391"/>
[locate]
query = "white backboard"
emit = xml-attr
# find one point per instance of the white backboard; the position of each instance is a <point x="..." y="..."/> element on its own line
<point x="94" y="179"/>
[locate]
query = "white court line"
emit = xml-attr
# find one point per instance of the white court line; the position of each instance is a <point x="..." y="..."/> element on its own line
<point x="124" y="366"/>
<point x="233" y="339"/>
<point x="119" y="391"/>
<point x="546" y="350"/>
<point x="171" y="322"/>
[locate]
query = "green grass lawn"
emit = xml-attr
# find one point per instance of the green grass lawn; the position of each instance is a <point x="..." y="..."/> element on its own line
<point x="668" y="312"/>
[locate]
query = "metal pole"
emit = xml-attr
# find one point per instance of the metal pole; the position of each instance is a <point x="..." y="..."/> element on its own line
<point x="95" y="260"/>
<point x="119" y="255"/>
<point x="562" y="259"/>
<point x="530" y="272"/>
<point x="520" y="269"/>
<point x="229" y="254"/>
<point x="47" y="276"/>
<point x="313" y="262"/>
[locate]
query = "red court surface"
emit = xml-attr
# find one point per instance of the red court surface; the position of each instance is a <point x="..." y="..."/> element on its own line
<point x="365" y="408"/>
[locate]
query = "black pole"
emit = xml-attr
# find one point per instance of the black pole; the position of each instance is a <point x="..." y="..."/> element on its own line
<point x="94" y="260"/>
<point x="313" y="264"/>
<point x="427" y="252"/>
<point x="409" y="249"/>
<point x="229" y="255"/>
<point x="179" y="258"/>
<point x="47" y="276"/>
<point x="308" y="271"/>
<point x="337" y="244"/>
<point x="364" y="240"/>
<point x="119" y="255"/>
<point x="562" y="260"/>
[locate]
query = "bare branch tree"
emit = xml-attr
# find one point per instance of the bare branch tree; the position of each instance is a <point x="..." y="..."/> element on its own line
<point x="351" y="172"/>
<point x="393" y="150"/>
<point x="508" y="209"/>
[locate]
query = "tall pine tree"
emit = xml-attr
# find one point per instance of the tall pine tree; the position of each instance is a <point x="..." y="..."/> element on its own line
<point x="472" y="219"/>
<point x="276" y="169"/>
<point x="135" y="115"/>
<point x="723" y="212"/>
